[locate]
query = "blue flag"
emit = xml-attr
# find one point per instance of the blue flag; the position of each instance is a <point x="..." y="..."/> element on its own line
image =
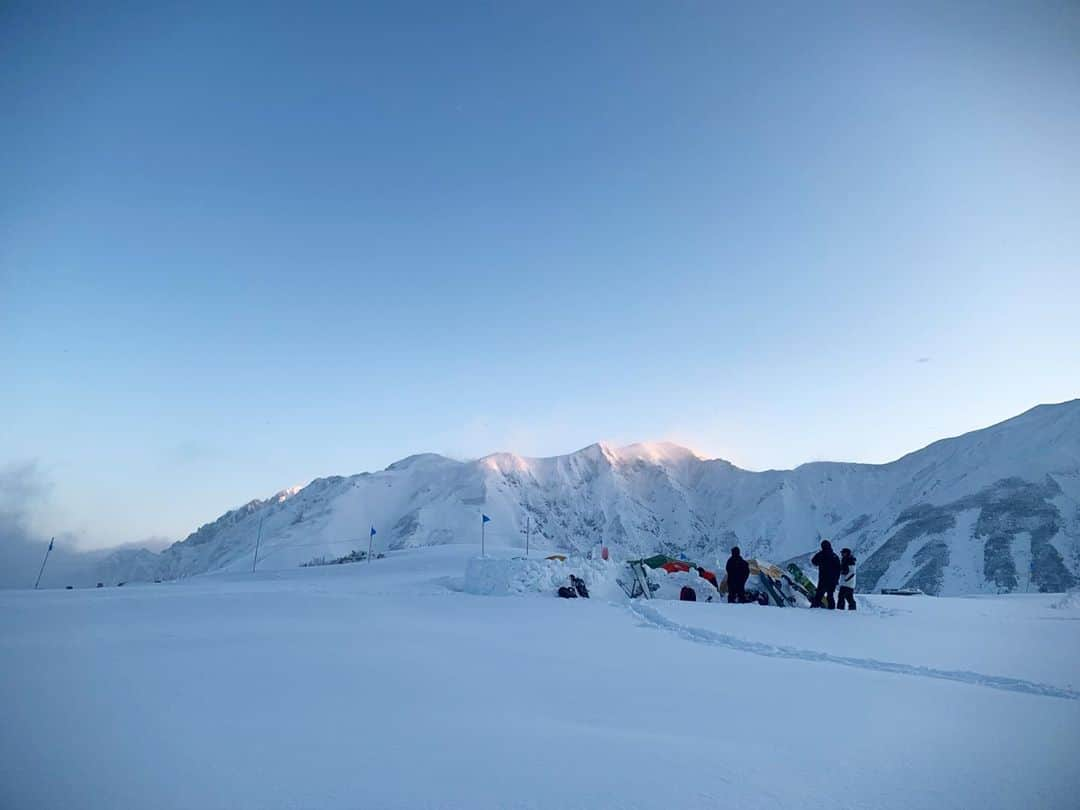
<point x="485" y="518"/>
<point x="372" y="531"/>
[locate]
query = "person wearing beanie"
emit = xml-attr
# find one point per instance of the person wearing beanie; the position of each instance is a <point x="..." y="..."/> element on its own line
<point x="828" y="566"/>
<point x="847" y="579"/>
<point x="738" y="571"/>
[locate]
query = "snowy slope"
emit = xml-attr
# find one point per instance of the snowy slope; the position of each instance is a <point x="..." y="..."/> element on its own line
<point x="964" y="515"/>
<point x="383" y="685"/>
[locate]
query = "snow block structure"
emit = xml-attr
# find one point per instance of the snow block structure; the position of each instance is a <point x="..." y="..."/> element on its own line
<point x="492" y="576"/>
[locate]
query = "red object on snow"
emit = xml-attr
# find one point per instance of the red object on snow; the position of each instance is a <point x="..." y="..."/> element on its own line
<point x="675" y="565"/>
<point x="603" y="552"/>
<point x="671" y="566"/>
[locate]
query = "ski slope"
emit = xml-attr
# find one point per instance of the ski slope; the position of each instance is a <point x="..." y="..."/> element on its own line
<point x="387" y="685"/>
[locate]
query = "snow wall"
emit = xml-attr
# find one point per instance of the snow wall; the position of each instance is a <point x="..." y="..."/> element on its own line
<point x="672" y="583"/>
<point x="489" y="576"/>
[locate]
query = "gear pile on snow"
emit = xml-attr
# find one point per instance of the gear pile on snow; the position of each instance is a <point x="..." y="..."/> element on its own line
<point x="656" y="577"/>
<point x="575" y="589"/>
<point x="661" y="577"/>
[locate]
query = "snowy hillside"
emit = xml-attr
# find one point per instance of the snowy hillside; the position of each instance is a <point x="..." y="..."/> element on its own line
<point x="995" y="510"/>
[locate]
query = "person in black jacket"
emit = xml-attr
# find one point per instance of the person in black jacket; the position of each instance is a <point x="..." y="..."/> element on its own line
<point x="738" y="571"/>
<point x="828" y="566"/>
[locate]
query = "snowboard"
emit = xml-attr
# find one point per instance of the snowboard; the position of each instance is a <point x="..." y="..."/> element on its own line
<point x="774" y="592"/>
<point x="772" y="579"/>
<point x="809" y="588"/>
<point x="797" y="590"/>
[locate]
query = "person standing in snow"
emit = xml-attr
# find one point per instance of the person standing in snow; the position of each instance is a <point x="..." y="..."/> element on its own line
<point x="847" y="579"/>
<point x="828" y="566"/>
<point x="738" y="571"/>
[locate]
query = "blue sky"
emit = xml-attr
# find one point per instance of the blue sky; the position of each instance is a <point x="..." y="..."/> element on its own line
<point x="245" y="247"/>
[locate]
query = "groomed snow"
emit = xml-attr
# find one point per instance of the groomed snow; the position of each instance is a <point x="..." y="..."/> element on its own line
<point x="386" y="685"/>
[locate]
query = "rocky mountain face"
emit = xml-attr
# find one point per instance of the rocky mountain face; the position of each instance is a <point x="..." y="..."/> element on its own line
<point x="995" y="510"/>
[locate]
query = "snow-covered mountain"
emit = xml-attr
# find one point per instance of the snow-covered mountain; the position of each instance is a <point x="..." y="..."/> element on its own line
<point x="993" y="510"/>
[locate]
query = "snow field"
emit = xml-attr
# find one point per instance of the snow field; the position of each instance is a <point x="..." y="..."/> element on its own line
<point x="1070" y="601"/>
<point x="388" y="685"/>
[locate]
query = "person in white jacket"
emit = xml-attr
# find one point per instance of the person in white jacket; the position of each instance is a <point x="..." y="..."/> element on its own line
<point x="847" y="580"/>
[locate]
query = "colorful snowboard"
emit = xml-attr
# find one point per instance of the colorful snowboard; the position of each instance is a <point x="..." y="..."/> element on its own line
<point x="809" y="588"/>
<point x="775" y="594"/>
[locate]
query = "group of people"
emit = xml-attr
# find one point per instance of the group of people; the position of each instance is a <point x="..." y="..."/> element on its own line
<point x="833" y="572"/>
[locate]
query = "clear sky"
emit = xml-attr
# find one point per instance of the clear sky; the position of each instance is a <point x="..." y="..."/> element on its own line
<point x="242" y="247"/>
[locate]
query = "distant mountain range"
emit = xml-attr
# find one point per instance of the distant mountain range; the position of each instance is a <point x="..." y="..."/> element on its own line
<point x="995" y="510"/>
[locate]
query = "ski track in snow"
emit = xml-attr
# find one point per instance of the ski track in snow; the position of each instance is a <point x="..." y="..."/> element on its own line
<point x="654" y="618"/>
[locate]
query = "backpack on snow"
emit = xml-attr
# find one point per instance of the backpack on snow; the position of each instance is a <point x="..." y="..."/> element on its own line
<point x="578" y="585"/>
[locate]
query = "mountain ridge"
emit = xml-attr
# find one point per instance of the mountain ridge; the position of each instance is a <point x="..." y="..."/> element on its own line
<point x="964" y="514"/>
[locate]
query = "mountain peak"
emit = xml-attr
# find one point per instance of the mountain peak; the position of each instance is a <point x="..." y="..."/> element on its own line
<point x="657" y="452"/>
<point x="598" y="451"/>
<point x="286" y="493"/>
<point x="654" y="452"/>
<point x="420" y="460"/>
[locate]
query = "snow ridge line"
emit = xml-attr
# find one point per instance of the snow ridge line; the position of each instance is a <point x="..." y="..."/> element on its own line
<point x="702" y="636"/>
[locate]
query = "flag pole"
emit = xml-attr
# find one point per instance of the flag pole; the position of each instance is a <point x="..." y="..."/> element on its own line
<point x="258" y="538"/>
<point x="483" y="519"/>
<point x="42" y="571"/>
<point x="370" y="539"/>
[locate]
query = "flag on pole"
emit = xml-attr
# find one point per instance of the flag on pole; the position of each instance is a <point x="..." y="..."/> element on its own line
<point x="42" y="569"/>
<point x="485" y="518"/>
<point x="372" y="531"/>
